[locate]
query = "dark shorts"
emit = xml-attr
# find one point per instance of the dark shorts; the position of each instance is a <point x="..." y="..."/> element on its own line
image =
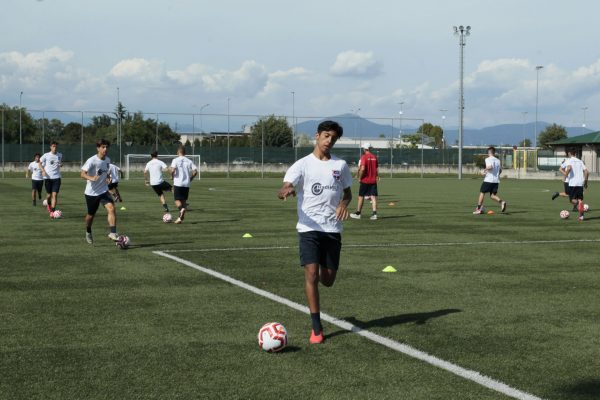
<point x="52" y="185"/>
<point x="575" y="192"/>
<point x="321" y="248"/>
<point x="181" y="193"/>
<point x="489" y="187"/>
<point x="164" y="186"/>
<point x="37" y="185"/>
<point x="93" y="202"/>
<point x="113" y="185"/>
<point x="367" y="189"/>
<point x="567" y="188"/>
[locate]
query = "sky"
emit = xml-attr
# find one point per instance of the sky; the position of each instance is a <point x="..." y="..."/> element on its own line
<point x="336" y="56"/>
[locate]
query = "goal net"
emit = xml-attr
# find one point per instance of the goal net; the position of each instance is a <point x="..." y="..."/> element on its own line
<point x="135" y="163"/>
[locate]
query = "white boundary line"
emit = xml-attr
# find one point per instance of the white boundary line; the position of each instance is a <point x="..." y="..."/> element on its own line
<point x="440" y="244"/>
<point x="389" y="343"/>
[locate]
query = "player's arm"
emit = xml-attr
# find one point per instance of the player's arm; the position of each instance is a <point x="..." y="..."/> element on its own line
<point x="27" y="173"/>
<point x="586" y="175"/>
<point x="286" y="190"/>
<point x="42" y="169"/>
<point x="146" y="177"/>
<point x="341" y="212"/>
<point x="84" y="175"/>
<point x="361" y="172"/>
<point x="194" y="174"/>
<point x="567" y="171"/>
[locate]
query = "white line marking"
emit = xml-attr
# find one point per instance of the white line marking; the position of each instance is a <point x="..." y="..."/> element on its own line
<point x="392" y="344"/>
<point x="391" y="245"/>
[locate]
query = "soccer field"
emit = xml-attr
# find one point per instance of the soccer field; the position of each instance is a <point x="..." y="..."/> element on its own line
<point x="513" y="297"/>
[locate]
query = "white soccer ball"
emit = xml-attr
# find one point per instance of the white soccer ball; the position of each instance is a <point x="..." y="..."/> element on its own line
<point x="167" y="218"/>
<point x="564" y="214"/>
<point x="586" y="207"/>
<point x="57" y="214"/>
<point x="122" y="242"/>
<point x="45" y="202"/>
<point x="272" y="337"/>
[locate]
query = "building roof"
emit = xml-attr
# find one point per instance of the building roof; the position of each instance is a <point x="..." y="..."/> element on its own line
<point x="588" y="138"/>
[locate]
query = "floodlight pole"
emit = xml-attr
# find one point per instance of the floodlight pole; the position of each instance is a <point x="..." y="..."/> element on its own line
<point x="537" y="95"/>
<point x="228" y="128"/>
<point x="462" y="33"/>
<point x="584" y="109"/>
<point x="294" y="125"/>
<point x="524" y="114"/>
<point x="20" y="128"/>
<point x="443" y="111"/>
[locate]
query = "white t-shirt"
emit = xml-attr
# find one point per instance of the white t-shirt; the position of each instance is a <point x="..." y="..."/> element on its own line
<point x="492" y="175"/>
<point x="94" y="166"/>
<point x="114" y="173"/>
<point x="155" y="168"/>
<point x="576" y="175"/>
<point x="51" y="163"/>
<point x="183" y="167"/>
<point x="320" y="187"/>
<point x="563" y="166"/>
<point x="36" y="172"/>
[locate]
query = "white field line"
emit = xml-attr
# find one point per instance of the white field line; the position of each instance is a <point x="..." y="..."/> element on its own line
<point x="439" y="244"/>
<point x="389" y="343"/>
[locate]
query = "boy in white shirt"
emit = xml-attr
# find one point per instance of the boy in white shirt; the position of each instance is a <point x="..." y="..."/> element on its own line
<point x="577" y="174"/>
<point x="95" y="172"/>
<point x="153" y="176"/>
<point x="323" y="185"/>
<point x="183" y="170"/>
<point x="50" y="164"/>
<point x="37" y="179"/>
<point x="492" y="172"/>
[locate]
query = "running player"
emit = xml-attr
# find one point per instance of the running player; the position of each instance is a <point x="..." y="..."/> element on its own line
<point x="368" y="176"/>
<point x="95" y="172"/>
<point x="323" y="184"/>
<point x="113" y="186"/>
<point x="37" y="179"/>
<point x="183" y="171"/>
<point x="50" y="164"/>
<point x="578" y="175"/>
<point x="153" y="176"/>
<point x="565" y="181"/>
<point x="492" y="172"/>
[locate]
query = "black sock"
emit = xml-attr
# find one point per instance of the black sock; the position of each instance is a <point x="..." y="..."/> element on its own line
<point x="166" y="207"/>
<point x="113" y="229"/>
<point x="374" y="212"/>
<point x="316" y="322"/>
<point x="479" y="206"/>
<point x="88" y="229"/>
<point x="53" y="209"/>
<point x="33" y="201"/>
<point x="357" y="213"/>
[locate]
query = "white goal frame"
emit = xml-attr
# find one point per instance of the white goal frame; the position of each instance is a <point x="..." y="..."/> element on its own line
<point x="194" y="157"/>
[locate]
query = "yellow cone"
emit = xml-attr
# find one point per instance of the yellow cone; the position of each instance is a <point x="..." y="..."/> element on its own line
<point x="123" y="209"/>
<point x="389" y="268"/>
<point x="391" y="204"/>
<point x="247" y="235"/>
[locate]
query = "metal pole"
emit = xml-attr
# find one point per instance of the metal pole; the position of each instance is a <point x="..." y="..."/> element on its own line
<point x="228" y="128"/>
<point x="157" y="132"/>
<point x="2" y="142"/>
<point x="443" y="110"/>
<point x="294" y="125"/>
<point x="392" y="150"/>
<point x="461" y="31"/>
<point x="524" y="113"/>
<point x="537" y="95"/>
<point x="20" y="128"/>
<point x="120" y="127"/>
<point x="193" y="133"/>
<point x="81" y="153"/>
<point x="43" y="131"/>
<point x="422" y="145"/>
<point x="262" y="151"/>
<point x="583" y="125"/>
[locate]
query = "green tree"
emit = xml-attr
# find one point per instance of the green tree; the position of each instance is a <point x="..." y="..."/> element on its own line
<point x="276" y="131"/>
<point x="551" y="134"/>
<point x="28" y="126"/>
<point x="434" y="132"/>
<point x="525" y="143"/>
<point x="413" y="139"/>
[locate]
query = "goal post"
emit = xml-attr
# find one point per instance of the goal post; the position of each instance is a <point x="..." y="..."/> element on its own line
<point x="135" y="163"/>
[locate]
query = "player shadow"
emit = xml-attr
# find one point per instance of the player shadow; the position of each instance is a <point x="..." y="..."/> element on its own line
<point x="591" y="218"/>
<point x="385" y="322"/>
<point x="290" y="349"/>
<point x="143" y="245"/>
<point x="397" y="216"/>
<point x="214" y="221"/>
<point x="585" y="389"/>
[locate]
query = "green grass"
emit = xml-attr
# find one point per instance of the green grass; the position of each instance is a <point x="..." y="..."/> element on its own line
<point x="95" y="322"/>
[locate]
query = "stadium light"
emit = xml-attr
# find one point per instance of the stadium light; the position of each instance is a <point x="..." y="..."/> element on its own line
<point x="584" y="109"/>
<point x="462" y="33"/>
<point x="537" y="95"/>
<point x="20" y="128"/>
<point x="401" y="112"/>
<point x="202" y="108"/>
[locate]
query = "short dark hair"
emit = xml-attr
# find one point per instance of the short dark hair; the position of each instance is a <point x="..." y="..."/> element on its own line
<point x="331" y="126"/>
<point x="102" y="142"/>
<point x="572" y="150"/>
<point x="154" y="154"/>
<point x="181" y="149"/>
<point x="54" y="142"/>
<point x="492" y="149"/>
<point x="37" y="155"/>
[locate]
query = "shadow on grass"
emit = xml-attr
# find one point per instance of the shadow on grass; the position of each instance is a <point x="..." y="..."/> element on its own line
<point x="385" y="322"/>
<point x="143" y="245"/>
<point x="290" y="349"/>
<point x="214" y="221"/>
<point x="585" y="389"/>
<point x="397" y="216"/>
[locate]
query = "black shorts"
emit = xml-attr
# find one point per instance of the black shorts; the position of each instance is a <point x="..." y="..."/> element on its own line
<point x="37" y="185"/>
<point x="489" y="187"/>
<point x="113" y="185"/>
<point x="567" y="188"/>
<point x="321" y="248"/>
<point x="575" y="192"/>
<point x="93" y="202"/>
<point x="181" y="193"/>
<point x="367" y="189"/>
<point x="52" y="185"/>
<point x="164" y="186"/>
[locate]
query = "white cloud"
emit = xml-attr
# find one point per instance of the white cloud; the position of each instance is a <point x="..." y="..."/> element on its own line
<point x="356" y="64"/>
<point x="139" y="70"/>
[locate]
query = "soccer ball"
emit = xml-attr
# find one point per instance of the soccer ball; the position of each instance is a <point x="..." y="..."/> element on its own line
<point x="586" y="207"/>
<point x="272" y="337"/>
<point x="564" y="214"/>
<point x="56" y="214"/>
<point x="45" y="202"/>
<point x="167" y="218"/>
<point x="122" y="242"/>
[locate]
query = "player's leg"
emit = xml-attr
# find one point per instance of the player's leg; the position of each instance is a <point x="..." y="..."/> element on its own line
<point x="117" y="193"/>
<point x="33" y="192"/>
<point x="48" y="187"/>
<point x="111" y="215"/>
<point x="480" y="199"/>
<point x="374" y="193"/>
<point x="92" y="203"/>
<point x="310" y="254"/>
<point x="361" y="200"/>
<point x="55" y="190"/>
<point x="180" y="194"/>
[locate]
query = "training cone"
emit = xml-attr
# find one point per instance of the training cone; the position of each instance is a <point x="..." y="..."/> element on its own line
<point x="490" y="212"/>
<point x="123" y="209"/>
<point x="391" y="204"/>
<point x="247" y="235"/>
<point x="389" y="268"/>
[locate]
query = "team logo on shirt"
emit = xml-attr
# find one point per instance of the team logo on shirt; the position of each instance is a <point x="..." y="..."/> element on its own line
<point x="337" y="175"/>
<point x="317" y="189"/>
<point x="52" y="162"/>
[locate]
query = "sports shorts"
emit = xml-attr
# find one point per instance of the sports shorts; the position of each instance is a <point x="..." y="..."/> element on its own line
<point x="52" y="185"/>
<point x="181" y="193"/>
<point x="321" y="248"/>
<point x="93" y="202"/>
<point x="575" y="192"/>
<point x="367" y="189"/>
<point x="164" y="186"/>
<point x="489" y="187"/>
<point x="37" y="185"/>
